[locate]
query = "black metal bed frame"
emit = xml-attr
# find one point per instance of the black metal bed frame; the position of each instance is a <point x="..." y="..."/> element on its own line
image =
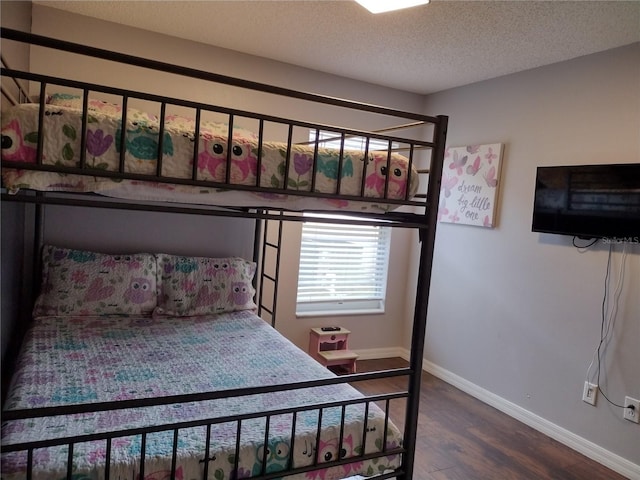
<point x="424" y="222"/>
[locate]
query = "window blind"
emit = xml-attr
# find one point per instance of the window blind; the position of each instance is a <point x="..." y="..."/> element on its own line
<point x="332" y="140"/>
<point x="342" y="268"/>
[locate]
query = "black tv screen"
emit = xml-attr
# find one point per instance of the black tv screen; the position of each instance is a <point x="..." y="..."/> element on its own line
<point x="589" y="201"/>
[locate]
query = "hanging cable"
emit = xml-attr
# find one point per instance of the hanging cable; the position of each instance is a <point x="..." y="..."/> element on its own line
<point x="608" y="319"/>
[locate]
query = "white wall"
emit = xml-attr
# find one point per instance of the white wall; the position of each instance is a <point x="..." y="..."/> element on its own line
<point x="518" y="313"/>
<point x="376" y="331"/>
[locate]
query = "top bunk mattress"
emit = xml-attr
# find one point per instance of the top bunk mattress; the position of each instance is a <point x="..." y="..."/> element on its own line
<point x="244" y="170"/>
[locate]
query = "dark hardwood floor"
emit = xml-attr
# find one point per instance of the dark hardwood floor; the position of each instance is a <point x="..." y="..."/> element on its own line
<point x="461" y="438"/>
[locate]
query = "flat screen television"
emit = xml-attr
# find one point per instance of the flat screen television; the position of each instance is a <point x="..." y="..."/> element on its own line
<point x="589" y="201"/>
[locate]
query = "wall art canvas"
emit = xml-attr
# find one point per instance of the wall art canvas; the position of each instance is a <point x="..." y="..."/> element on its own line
<point x="470" y="182"/>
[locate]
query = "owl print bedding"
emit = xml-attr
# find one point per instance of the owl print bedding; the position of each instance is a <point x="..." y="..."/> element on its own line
<point x="72" y="359"/>
<point x="141" y="143"/>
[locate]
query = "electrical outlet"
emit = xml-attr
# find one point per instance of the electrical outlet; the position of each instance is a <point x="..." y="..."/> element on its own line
<point x="590" y="393"/>
<point x="632" y="409"/>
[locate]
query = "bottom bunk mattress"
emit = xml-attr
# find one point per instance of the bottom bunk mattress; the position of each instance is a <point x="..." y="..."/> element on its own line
<point x="74" y="360"/>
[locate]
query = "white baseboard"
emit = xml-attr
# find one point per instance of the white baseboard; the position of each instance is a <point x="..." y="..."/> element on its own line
<point x="589" y="449"/>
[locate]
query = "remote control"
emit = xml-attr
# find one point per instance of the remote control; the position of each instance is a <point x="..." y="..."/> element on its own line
<point x="330" y="329"/>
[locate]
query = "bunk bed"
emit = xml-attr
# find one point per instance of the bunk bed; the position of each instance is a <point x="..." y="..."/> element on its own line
<point x="70" y="419"/>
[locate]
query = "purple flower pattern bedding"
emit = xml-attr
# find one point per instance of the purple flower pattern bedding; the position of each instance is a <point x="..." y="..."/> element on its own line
<point x="73" y="359"/>
<point x="62" y="146"/>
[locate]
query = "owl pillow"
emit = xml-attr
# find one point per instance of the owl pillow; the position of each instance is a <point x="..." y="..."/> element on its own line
<point x="82" y="283"/>
<point x="200" y="286"/>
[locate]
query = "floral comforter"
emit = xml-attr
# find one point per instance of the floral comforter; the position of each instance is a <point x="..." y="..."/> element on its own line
<point x="62" y="146"/>
<point x="71" y="360"/>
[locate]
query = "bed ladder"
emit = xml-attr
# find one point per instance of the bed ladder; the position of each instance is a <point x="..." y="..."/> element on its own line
<point x="268" y="246"/>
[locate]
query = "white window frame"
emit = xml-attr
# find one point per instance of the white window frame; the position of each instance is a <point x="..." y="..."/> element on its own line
<point x="354" y="261"/>
<point x="320" y="249"/>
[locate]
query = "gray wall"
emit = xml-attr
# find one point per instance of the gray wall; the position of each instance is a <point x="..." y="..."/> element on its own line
<point x="12" y="238"/>
<point x="15" y="15"/>
<point x="120" y="231"/>
<point x="517" y="313"/>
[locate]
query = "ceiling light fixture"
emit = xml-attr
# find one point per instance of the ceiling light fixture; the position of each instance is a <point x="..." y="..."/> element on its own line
<point x="381" y="6"/>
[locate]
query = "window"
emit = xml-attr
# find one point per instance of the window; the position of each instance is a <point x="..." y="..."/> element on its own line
<point x="343" y="268"/>
<point x="332" y="140"/>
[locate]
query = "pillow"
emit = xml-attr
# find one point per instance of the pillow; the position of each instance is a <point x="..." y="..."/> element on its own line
<point x="65" y="100"/>
<point x="190" y="286"/>
<point x="208" y="128"/>
<point x="69" y="100"/>
<point x="81" y="283"/>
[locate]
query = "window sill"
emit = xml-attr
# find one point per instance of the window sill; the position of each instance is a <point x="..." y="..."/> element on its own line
<point x="339" y="313"/>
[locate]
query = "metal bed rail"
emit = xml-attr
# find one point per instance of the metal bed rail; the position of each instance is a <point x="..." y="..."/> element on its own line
<point x="17" y="86"/>
<point x="37" y="412"/>
<point x="83" y="168"/>
<point x="388" y="219"/>
<point x="384" y="450"/>
<point x="16" y="35"/>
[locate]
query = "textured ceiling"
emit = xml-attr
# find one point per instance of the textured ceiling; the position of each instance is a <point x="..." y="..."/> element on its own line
<point x="423" y="49"/>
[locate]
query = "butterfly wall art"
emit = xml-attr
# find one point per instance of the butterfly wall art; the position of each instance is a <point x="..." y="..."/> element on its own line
<point x="470" y="182"/>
